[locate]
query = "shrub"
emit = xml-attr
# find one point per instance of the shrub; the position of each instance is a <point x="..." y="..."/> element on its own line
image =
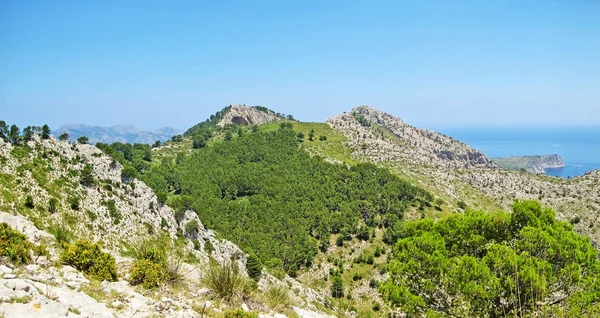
<point x="225" y="280"/>
<point x="337" y="287"/>
<point x="239" y="313"/>
<point x="191" y="229"/>
<point x="29" y="202"/>
<point x="165" y="268"/>
<point x="52" y="205"/>
<point x="163" y="223"/>
<point x="147" y="273"/>
<point x="14" y="245"/>
<point x="89" y="258"/>
<point x="74" y="203"/>
<point x="376" y="306"/>
<point x="322" y="138"/>
<point x="87" y="175"/>
<point x="208" y="247"/>
<point x="253" y="266"/>
<point x="112" y="210"/>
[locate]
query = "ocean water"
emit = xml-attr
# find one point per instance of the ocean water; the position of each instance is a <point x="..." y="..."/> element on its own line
<point x="579" y="147"/>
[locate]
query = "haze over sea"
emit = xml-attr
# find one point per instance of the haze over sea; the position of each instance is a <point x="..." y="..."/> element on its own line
<point x="579" y="147"/>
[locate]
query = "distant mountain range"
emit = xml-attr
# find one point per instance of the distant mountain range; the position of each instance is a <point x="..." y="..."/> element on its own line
<point x="118" y="133"/>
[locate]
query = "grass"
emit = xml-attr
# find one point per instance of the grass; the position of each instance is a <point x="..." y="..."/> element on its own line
<point x="223" y="279"/>
<point x="276" y="296"/>
<point x="62" y="234"/>
<point x="334" y="147"/>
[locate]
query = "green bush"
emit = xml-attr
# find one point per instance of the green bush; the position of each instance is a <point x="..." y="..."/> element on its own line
<point x="29" y="202"/>
<point x="147" y="273"/>
<point x="113" y="211"/>
<point x="89" y="258"/>
<point x="156" y="264"/>
<point x="74" y="203"/>
<point x="52" y="205"/>
<point x="14" y="245"/>
<point x="192" y="229"/>
<point x="253" y="266"/>
<point x="337" y="287"/>
<point x="239" y="313"/>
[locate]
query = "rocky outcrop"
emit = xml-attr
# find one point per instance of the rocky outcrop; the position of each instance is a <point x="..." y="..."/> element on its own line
<point x="387" y="138"/>
<point x="533" y="164"/>
<point x="244" y="115"/>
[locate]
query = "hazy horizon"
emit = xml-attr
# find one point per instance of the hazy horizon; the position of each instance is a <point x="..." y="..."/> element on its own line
<point x="173" y="64"/>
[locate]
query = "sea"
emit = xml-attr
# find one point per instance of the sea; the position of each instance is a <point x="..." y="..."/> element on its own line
<point x="579" y="147"/>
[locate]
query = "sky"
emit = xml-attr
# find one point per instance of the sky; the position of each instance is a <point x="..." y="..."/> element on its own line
<point x="174" y="63"/>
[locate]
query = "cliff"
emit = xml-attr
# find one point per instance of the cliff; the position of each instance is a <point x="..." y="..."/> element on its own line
<point x="534" y="164"/>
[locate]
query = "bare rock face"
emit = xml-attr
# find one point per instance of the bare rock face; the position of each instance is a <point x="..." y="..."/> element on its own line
<point x="387" y="138"/>
<point x="243" y="115"/>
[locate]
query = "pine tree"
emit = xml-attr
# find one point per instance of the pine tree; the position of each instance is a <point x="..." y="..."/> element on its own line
<point x="337" y="287"/>
<point x="254" y="267"/>
<point x="45" y="132"/>
<point x="87" y="176"/>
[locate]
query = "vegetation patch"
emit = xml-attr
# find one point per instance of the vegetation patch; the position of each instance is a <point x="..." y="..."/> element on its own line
<point x="503" y="264"/>
<point x="14" y="245"/>
<point x="89" y="258"/>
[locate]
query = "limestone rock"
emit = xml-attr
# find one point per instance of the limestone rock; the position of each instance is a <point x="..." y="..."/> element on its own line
<point x="244" y="115"/>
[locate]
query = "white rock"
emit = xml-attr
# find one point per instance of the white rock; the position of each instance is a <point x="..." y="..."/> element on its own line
<point x="245" y="307"/>
<point x="31" y="268"/>
<point x="5" y="270"/>
<point x="46" y="310"/>
<point x="9" y="276"/>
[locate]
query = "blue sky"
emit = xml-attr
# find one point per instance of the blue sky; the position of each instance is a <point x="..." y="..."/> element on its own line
<point x="173" y="63"/>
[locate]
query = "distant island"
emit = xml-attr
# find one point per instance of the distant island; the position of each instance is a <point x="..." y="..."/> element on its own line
<point x="533" y="164"/>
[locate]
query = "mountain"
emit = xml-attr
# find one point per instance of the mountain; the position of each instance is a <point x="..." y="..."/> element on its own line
<point x="534" y="164"/>
<point x="368" y="128"/>
<point x="251" y="213"/>
<point x="118" y="133"/>
<point x="460" y="174"/>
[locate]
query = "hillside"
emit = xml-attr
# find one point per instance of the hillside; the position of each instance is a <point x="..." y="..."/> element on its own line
<point x="362" y="216"/>
<point x="533" y="164"/>
<point x="61" y="194"/>
<point x="120" y="133"/>
<point x="459" y="174"/>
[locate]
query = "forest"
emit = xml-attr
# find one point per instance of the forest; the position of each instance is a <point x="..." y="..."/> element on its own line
<point x="264" y="193"/>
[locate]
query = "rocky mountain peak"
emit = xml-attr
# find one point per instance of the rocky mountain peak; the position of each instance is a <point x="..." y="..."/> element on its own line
<point x="244" y="115"/>
<point x="387" y="138"/>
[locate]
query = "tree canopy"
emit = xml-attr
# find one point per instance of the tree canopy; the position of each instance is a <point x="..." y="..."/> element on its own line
<point x="495" y="265"/>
